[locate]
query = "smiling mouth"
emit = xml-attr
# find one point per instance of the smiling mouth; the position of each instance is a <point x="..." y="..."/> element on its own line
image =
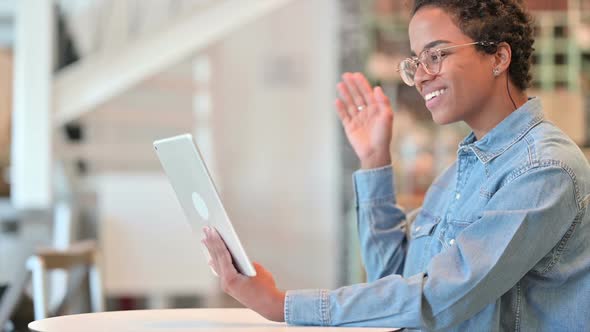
<point x="434" y="94"/>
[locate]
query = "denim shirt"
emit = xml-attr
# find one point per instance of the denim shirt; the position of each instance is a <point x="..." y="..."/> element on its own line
<point x="501" y="242"/>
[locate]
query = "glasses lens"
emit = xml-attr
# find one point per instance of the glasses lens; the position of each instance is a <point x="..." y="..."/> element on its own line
<point x="407" y="70"/>
<point x="431" y="60"/>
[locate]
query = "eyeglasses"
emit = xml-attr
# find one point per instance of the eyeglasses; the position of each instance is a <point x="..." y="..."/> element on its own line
<point x="431" y="60"/>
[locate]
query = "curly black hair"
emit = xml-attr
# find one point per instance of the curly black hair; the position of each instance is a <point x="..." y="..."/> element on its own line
<point x="494" y="21"/>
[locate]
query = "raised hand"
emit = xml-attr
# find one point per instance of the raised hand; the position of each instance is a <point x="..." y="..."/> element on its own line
<point x="367" y="118"/>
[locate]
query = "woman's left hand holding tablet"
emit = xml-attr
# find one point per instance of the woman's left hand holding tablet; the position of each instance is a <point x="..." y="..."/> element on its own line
<point x="258" y="293"/>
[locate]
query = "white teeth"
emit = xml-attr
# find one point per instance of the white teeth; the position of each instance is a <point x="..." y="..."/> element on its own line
<point x="434" y="94"/>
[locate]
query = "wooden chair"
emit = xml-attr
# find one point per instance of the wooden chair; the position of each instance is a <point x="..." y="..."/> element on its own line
<point x="82" y="254"/>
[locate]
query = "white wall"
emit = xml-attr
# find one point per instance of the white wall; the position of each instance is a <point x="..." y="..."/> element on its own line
<point x="277" y="164"/>
<point x="275" y="133"/>
<point x="147" y="246"/>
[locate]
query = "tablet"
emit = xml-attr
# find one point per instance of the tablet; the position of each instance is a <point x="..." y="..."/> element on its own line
<point x="196" y="193"/>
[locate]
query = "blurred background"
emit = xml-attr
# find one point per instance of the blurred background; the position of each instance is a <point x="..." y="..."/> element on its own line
<point x="88" y="220"/>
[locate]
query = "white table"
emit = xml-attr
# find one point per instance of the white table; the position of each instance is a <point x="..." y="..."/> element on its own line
<point x="185" y="320"/>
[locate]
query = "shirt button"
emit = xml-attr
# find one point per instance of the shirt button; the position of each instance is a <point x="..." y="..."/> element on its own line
<point x="457" y="196"/>
<point x="452" y="241"/>
<point x="418" y="229"/>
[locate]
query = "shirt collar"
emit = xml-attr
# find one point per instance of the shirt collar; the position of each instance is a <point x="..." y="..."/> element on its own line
<point x="511" y="130"/>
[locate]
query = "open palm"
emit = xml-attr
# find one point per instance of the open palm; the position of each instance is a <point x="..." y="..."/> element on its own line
<point x="367" y="119"/>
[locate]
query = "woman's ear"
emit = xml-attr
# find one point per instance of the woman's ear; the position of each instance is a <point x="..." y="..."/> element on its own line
<point x="502" y="59"/>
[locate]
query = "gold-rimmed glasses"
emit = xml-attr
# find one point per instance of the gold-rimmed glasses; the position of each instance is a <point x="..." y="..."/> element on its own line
<point x="431" y="60"/>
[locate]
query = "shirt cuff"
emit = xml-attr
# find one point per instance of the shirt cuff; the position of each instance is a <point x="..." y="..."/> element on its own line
<point x="307" y="307"/>
<point x="374" y="185"/>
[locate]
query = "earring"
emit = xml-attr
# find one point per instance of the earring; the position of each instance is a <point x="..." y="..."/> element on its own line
<point x="496" y="71"/>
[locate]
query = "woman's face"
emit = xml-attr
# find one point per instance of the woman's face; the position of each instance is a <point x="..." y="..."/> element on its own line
<point x="465" y="81"/>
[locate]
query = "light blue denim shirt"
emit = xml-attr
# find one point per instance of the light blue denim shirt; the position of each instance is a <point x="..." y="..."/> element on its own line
<point x="501" y="243"/>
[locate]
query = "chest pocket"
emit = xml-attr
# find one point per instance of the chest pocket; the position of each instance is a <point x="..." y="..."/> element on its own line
<point x="453" y="228"/>
<point x="421" y="240"/>
<point x="424" y="225"/>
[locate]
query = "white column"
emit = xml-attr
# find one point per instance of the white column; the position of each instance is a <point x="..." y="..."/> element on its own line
<point x="202" y="108"/>
<point x="31" y="125"/>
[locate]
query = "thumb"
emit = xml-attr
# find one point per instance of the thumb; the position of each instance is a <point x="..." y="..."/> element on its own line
<point x="258" y="267"/>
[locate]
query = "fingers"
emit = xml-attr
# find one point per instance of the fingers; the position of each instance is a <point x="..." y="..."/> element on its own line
<point x="348" y="104"/>
<point x="382" y="100"/>
<point x="259" y="268"/>
<point x="380" y="96"/>
<point x="345" y="94"/>
<point x="354" y="90"/>
<point x="342" y="112"/>
<point x="364" y="88"/>
<point x="221" y="260"/>
<point x="207" y="242"/>
<point x="357" y="95"/>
